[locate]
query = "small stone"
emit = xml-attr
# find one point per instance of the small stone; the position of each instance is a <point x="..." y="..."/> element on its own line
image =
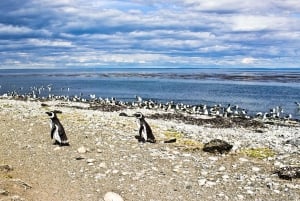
<point x="295" y="142"/>
<point x="255" y="169"/>
<point x="125" y="173"/>
<point x="243" y="159"/>
<point x="3" y="192"/>
<point x="210" y="183"/>
<point x="276" y="191"/>
<point x="222" y="168"/>
<point x="213" y="158"/>
<point x="225" y="177"/>
<point x="111" y="196"/>
<point x="221" y="195"/>
<point x="202" y="182"/>
<point x="217" y="146"/>
<point x="154" y="169"/>
<point x="82" y="150"/>
<point x="278" y="164"/>
<point x="102" y="165"/>
<point x="250" y="192"/>
<point x="57" y="148"/>
<point x="90" y="160"/>
<point x="288" y="172"/>
<point x="16" y="198"/>
<point x="100" y="176"/>
<point x="79" y="158"/>
<point x="6" y="168"/>
<point x="204" y="173"/>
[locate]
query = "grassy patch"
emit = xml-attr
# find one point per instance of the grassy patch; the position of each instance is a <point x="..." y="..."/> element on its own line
<point x="186" y="143"/>
<point x="73" y="117"/>
<point x="173" y="134"/>
<point x="191" y="145"/>
<point x="259" y="153"/>
<point x="5" y="175"/>
<point x="7" y="106"/>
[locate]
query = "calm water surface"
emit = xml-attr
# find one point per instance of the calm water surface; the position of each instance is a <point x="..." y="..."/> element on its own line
<point x="256" y="90"/>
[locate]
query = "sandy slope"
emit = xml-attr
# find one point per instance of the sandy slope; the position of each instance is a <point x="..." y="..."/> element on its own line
<point x="115" y="161"/>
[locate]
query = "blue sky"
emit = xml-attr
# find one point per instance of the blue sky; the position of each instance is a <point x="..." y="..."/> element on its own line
<point x="178" y="33"/>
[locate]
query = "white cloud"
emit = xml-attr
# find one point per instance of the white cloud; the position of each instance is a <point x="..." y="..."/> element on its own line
<point x="260" y="23"/>
<point x="10" y="29"/>
<point x="245" y="6"/>
<point x="189" y="32"/>
<point x="217" y="48"/>
<point x="50" y="43"/>
<point x="248" y="60"/>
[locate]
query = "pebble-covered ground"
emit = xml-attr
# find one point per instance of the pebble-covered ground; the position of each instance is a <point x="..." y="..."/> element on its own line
<point x="104" y="156"/>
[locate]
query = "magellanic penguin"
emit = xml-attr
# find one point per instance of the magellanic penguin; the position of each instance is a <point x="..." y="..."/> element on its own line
<point x="57" y="130"/>
<point x="145" y="132"/>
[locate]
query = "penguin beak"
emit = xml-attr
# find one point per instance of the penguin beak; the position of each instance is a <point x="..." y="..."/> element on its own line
<point x="49" y="113"/>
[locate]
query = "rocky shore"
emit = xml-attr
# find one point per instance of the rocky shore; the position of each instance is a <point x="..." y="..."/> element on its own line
<point x="104" y="155"/>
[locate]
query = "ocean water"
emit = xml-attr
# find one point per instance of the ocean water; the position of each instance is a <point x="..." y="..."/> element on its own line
<point x="257" y="90"/>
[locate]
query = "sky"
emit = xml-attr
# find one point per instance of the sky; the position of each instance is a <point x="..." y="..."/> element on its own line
<point x="152" y="33"/>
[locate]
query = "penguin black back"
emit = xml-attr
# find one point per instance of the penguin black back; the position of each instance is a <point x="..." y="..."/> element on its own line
<point x="145" y="131"/>
<point x="57" y="130"/>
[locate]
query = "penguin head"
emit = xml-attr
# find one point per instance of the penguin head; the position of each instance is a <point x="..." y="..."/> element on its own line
<point x="139" y="115"/>
<point x="52" y="114"/>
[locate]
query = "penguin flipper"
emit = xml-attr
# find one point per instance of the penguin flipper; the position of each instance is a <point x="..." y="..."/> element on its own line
<point x="52" y="132"/>
<point x="56" y="136"/>
<point x="150" y="136"/>
<point x="141" y="133"/>
<point x="64" y="138"/>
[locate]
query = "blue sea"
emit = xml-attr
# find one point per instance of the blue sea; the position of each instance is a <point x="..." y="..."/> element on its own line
<point x="256" y="90"/>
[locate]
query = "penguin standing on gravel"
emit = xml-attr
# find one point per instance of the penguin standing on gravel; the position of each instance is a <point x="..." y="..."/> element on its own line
<point x="145" y="132"/>
<point x="57" y="130"/>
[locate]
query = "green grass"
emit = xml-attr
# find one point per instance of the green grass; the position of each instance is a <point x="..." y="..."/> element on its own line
<point x="259" y="153"/>
<point x="188" y="144"/>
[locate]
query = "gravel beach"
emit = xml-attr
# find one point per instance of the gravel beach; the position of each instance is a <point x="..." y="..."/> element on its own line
<point x="104" y="156"/>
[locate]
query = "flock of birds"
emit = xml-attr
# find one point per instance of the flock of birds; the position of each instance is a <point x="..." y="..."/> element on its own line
<point x="59" y="136"/>
<point x="45" y="93"/>
<point x="145" y="133"/>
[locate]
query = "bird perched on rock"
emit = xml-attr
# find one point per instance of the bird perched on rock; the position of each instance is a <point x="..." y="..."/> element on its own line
<point x="57" y="130"/>
<point x="145" y="132"/>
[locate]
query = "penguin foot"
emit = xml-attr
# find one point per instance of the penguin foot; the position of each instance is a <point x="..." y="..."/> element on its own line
<point x="140" y="139"/>
<point x="64" y="144"/>
<point x="151" y="140"/>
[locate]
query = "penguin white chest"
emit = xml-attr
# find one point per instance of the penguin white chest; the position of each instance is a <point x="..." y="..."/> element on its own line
<point x="56" y="134"/>
<point x="144" y="132"/>
<point x="51" y="124"/>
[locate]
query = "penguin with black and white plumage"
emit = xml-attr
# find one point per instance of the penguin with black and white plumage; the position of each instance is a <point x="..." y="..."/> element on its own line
<point x="57" y="130"/>
<point x="145" y="131"/>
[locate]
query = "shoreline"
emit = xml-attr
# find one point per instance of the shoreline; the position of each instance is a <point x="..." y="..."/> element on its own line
<point x="114" y="161"/>
<point x="171" y="107"/>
